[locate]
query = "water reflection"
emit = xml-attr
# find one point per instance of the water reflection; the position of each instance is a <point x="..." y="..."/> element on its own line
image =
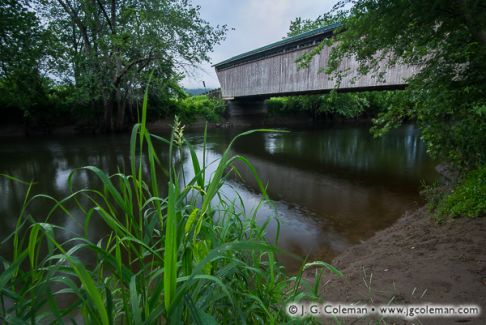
<point x="332" y="187"/>
<point x="348" y="152"/>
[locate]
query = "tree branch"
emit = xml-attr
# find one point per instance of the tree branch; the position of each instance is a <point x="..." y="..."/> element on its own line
<point x="105" y="14"/>
<point x="74" y="16"/>
<point x="129" y="66"/>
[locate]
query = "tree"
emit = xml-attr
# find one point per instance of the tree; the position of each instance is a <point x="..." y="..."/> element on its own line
<point x="22" y="50"/>
<point x="299" y="25"/>
<point x="111" y="46"/>
<point x="447" y="39"/>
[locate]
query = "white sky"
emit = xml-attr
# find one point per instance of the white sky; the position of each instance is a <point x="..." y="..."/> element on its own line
<point x="256" y="23"/>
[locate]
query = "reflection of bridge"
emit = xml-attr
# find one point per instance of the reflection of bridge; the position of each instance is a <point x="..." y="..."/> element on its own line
<point x="272" y="70"/>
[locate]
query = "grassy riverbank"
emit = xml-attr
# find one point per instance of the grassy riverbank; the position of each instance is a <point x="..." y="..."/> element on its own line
<point x="60" y="116"/>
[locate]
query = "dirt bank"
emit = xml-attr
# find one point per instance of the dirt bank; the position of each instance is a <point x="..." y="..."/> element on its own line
<point x="416" y="261"/>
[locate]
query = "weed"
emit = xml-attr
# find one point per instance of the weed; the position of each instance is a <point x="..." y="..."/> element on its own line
<point x="189" y="257"/>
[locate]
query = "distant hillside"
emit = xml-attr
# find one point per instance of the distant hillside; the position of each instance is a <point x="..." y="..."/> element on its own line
<point x="196" y="91"/>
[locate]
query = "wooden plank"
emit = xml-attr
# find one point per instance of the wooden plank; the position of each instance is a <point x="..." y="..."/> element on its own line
<point x="279" y="74"/>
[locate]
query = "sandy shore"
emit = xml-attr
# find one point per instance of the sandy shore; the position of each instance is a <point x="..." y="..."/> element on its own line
<point x="415" y="261"/>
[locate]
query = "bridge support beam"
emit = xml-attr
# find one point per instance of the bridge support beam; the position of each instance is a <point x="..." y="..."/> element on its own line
<point x="239" y="109"/>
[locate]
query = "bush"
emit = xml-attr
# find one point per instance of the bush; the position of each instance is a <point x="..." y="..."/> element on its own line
<point x="334" y="104"/>
<point x="466" y="199"/>
<point x="277" y="105"/>
<point x="191" y="108"/>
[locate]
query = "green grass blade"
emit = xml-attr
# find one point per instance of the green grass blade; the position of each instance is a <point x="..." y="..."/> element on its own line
<point x="170" y="255"/>
<point x="134" y="301"/>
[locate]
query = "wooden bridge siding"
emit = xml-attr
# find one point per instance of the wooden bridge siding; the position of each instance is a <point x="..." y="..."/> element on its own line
<point x="280" y="74"/>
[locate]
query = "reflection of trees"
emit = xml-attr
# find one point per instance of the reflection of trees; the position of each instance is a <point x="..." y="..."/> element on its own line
<point x="340" y="175"/>
<point x="49" y="162"/>
<point x="343" y="204"/>
<point x="333" y="187"/>
<point x="349" y="152"/>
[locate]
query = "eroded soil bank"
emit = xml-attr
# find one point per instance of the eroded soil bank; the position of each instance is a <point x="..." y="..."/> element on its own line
<point x="415" y="261"/>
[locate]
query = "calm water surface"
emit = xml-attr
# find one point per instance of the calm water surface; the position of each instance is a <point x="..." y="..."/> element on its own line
<point x="333" y="186"/>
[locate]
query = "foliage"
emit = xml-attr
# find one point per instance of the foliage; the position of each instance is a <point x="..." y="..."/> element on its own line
<point x="23" y="44"/>
<point x="193" y="107"/>
<point x="165" y="94"/>
<point x="346" y="105"/>
<point x="447" y="41"/>
<point x="193" y="256"/>
<point x="122" y="42"/>
<point x="299" y="25"/>
<point x="468" y="198"/>
<point x="21" y="38"/>
<point x="277" y="105"/>
<point x="104" y="50"/>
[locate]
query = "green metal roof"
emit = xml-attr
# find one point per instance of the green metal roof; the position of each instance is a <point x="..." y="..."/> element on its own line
<point x="285" y="41"/>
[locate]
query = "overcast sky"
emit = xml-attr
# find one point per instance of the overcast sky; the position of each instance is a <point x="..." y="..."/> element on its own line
<point x="256" y="23"/>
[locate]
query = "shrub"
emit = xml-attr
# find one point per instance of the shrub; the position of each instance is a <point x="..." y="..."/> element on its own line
<point x="334" y="104"/>
<point x="466" y="198"/>
<point x="191" y="108"/>
<point x="277" y="105"/>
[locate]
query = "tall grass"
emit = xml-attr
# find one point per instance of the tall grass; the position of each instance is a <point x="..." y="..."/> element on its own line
<point x="191" y="257"/>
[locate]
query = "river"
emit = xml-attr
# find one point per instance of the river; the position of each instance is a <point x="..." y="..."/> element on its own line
<point x="333" y="186"/>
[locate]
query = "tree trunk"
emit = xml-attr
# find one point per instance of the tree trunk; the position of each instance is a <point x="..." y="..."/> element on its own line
<point x="120" y="111"/>
<point x="108" y="119"/>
